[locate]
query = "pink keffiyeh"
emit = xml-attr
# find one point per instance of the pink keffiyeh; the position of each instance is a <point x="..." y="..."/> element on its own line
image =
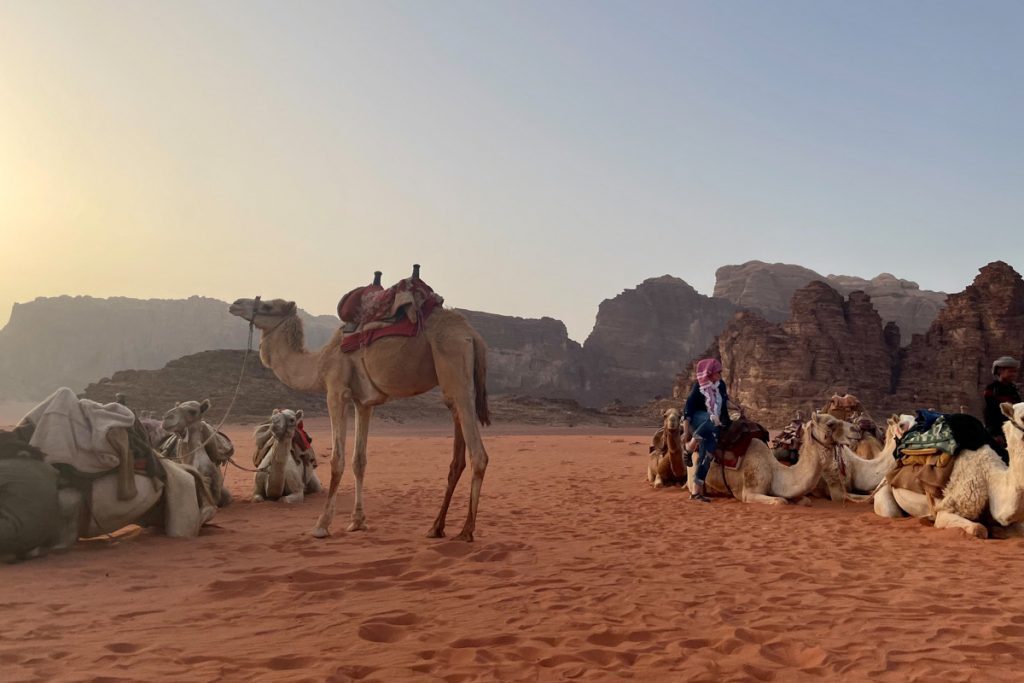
<point x="713" y="398"/>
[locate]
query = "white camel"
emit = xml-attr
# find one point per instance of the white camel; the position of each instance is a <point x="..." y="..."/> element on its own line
<point x="283" y="473"/>
<point x="198" y="445"/>
<point x="763" y="479"/>
<point x="980" y="482"/>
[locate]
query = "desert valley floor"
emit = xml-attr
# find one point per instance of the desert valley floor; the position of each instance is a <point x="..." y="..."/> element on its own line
<point x="579" y="571"/>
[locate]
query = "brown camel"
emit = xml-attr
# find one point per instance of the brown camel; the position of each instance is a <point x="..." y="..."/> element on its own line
<point x="666" y="466"/>
<point x="447" y="353"/>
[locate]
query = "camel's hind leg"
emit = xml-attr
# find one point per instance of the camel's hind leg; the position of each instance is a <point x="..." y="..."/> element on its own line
<point x="454" y="361"/>
<point x="948" y="520"/>
<point x="337" y="406"/>
<point x="454" y="473"/>
<point x="363" y="415"/>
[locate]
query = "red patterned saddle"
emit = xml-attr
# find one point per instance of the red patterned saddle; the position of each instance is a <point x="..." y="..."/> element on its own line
<point x="372" y="312"/>
<point x="737" y="439"/>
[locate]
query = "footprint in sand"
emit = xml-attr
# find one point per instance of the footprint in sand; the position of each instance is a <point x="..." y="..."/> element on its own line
<point x="387" y="627"/>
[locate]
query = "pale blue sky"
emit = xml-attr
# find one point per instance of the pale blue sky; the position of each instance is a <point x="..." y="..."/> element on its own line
<point x="536" y="158"/>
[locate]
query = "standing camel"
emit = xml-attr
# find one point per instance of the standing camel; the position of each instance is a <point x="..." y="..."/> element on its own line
<point x="447" y="352"/>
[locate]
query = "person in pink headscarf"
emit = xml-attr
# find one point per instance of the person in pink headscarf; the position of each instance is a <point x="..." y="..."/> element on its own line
<point x="707" y="412"/>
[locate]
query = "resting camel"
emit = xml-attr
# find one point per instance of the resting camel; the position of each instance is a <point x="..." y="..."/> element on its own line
<point x="763" y="479"/>
<point x="282" y="472"/>
<point x="666" y="466"/>
<point x="91" y="505"/>
<point x="198" y="445"/>
<point x="849" y="409"/>
<point x="448" y="353"/>
<point x="980" y="482"/>
<point x="846" y="475"/>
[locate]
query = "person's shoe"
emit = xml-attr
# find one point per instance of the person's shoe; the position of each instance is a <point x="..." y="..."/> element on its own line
<point x="700" y="496"/>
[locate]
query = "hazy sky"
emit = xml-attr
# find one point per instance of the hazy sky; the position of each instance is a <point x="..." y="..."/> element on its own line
<point x="536" y="158"/>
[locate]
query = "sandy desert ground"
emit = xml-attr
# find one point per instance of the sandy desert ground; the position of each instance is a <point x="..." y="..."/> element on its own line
<point x="579" y="571"/>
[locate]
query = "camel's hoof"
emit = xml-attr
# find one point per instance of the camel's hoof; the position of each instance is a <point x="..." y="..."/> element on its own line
<point x="357" y="526"/>
<point x="435" y="533"/>
<point x="320" y="532"/>
<point x="466" y="536"/>
<point x="978" y="531"/>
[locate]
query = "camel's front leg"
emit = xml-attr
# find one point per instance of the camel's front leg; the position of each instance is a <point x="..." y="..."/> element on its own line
<point x="948" y="520"/>
<point x="337" y="406"/>
<point x="363" y="414"/>
<point x="761" y="498"/>
<point x="454" y="472"/>
<point x="885" y="502"/>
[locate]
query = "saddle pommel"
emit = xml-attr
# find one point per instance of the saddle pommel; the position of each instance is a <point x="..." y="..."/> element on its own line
<point x="376" y="278"/>
<point x="416" y="271"/>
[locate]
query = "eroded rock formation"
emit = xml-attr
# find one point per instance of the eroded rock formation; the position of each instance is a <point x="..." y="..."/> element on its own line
<point x="643" y="335"/>
<point x="827" y="344"/>
<point x="767" y="288"/>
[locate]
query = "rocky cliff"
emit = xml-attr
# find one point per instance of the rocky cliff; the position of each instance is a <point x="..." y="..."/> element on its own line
<point x="767" y="288"/>
<point x="643" y="335"/>
<point x="828" y="343"/>
<point x="950" y="365"/>
<point x="529" y="357"/>
<point x="69" y="341"/>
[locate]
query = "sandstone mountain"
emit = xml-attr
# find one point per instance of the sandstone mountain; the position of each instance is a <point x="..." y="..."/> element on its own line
<point x="643" y="335"/>
<point x="767" y="288"/>
<point x="831" y="344"/>
<point x="828" y="343"/>
<point x="530" y="357"/>
<point x="950" y="365"/>
<point x="69" y="341"/>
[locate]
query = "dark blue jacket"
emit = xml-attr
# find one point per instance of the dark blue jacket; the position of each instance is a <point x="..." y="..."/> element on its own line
<point x="696" y="403"/>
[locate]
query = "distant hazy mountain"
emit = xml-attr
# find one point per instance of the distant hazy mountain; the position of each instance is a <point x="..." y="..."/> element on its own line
<point x="71" y="341"/>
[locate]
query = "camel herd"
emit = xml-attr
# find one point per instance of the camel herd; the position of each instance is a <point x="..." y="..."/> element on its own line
<point x="832" y="453"/>
<point x="984" y="494"/>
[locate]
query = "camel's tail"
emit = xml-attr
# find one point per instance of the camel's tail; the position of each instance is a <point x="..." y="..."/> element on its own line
<point x="483" y="411"/>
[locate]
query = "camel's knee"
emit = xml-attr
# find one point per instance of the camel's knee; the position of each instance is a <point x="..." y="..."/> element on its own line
<point x="885" y="503"/>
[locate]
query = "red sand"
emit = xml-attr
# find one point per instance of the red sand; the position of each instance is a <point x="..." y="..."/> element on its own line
<point x="580" y="570"/>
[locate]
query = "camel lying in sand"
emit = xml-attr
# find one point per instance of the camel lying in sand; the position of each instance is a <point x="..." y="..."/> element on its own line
<point x="849" y="409"/>
<point x="763" y="479"/>
<point x="980" y="482"/>
<point x="198" y="445"/>
<point x="89" y="505"/>
<point x="666" y="466"/>
<point x="283" y="472"/>
<point x="847" y="476"/>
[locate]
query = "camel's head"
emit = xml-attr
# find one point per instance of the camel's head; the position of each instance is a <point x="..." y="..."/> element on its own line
<point x="1013" y="428"/>
<point x="264" y="314"/>
<point x="830" y="431"/>
<point x="283" y="423"/>
<point x="898" y="425"/>
<point x="183" y="415"/>
<point x="671" y="419"/>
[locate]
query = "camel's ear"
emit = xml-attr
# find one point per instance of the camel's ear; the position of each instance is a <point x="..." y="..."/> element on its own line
<point x="665" y="414"/>
<point x="204" y="406"/>
<point x="276" y="411"/>
<point x="177" y="403"/>
<point x="298" y="415"/>
<point x="894" y="419"/>
<point x="1007" y="409"/>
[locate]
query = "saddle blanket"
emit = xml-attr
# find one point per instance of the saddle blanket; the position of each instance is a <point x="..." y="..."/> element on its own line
<point x="736" y="442"/>
<point x="403" y="327"/>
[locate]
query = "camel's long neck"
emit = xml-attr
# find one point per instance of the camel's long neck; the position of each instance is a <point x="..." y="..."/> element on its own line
<point x="1015" y="445"/>
<point x="190" y="444"/>
<point x="800" y="479"/>
<point x="283" y="350"/>
<point x="279" y="454"/>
